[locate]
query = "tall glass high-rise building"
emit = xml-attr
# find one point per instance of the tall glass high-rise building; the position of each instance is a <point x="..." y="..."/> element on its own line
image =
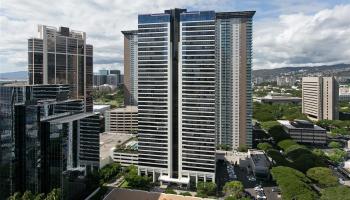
<point x="62" y="57"/>
<point x="234" y="82"/>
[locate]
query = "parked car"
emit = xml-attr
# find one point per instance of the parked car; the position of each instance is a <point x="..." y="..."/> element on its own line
<point x="258" y="188"/>
<point x="276" y="189"/>
<point x="260" y="195"/>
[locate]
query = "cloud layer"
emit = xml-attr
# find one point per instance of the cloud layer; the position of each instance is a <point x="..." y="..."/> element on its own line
<point x="318" y="34"/>
<point x="299" y="39"/>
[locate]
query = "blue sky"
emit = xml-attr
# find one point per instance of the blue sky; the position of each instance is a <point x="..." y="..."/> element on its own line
<point x="286" y="33"/>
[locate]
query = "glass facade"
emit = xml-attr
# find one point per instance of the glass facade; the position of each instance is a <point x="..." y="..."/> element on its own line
<point x="197" y="92"/>
<point x="234" y="96"/>
<point x="61" y="57"/>
<point x="23" y="144"/>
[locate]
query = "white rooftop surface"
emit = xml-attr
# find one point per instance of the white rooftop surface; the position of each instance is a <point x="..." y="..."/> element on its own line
<point x="109" y="140"/>
<point x="98" y="108"/>
<point x="125" y="109"/>
<point x="289" y="125"/>
<point x="280" y="97"/>
<point x="180" y="180"/>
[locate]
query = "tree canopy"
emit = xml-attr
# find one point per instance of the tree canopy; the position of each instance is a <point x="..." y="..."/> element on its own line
<point x="335" y="193"/>
<point x="334" y="145"/>
<point x="264" y="146"/>
<point x="323" y="176"/>
<point x="285" y="144"/>
<point x="293" y="183"/>
<point x="234" y="189"/>
<point x="205" y="189"/>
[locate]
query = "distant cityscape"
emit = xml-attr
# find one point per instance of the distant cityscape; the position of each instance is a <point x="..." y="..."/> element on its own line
<point x="187" y="119"/>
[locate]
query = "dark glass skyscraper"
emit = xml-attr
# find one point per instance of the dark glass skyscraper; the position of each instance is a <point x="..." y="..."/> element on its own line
<point x="62" y="57"/>
<point x="26" y="145"/>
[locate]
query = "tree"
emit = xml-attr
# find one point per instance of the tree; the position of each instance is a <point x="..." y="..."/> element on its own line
<point x="278" y="134"/>
<point x="337" y="155"/>
<point x="109" y="171"/>
<point x="323" y="176"/>
<point x="306" y="161"/>
<point x="206" y="188"/>
<point x="185" y="194"/>
<point x="55" y="194"/>
<point x="242" y="148"/>
<point x="285" y="144"/>
<point x="294" y="151"/>
<point x="324" y="123"/>
<point x="264" y="146"/>
<point x="170" y="191"/>
<point x="278" y="158"/>
<point x="39" y="197"/>
<point x="293" y="183"/>
<point x="268" y="124"/>
<point x="334" y="145"/>
<point x="27" y="195"/>
<point x="335" y="193"/>
<point x="15" y="196"/>
<point x="234" y="189"/>
<point x="135" y="181"/>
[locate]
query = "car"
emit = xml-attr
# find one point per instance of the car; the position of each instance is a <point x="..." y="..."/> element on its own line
<point x="276" y="189"/>
<point x="258" y="188"/>
<point x="251" y="178"/>
<point x="260" y="195"/>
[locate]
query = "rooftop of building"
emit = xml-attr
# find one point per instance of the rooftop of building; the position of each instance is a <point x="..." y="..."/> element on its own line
<point x="299" y="124"/>
<point x="119" y="193"/>
<point x="259" y="158"/>
<point x="72" y="117"/>
<point x="129" y="32"/>
<point x="125" y="109"/>
<point x="99" y="107"/>
<point x="238" y="14"/>
<point x="21" y="84"/>
<point x="273" y="97"/>
<point x="109" y="140"/>
<point x="128" y="146"/>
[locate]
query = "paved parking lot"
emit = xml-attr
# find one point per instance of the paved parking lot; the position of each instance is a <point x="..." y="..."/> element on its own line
<point x="242" y="175"/>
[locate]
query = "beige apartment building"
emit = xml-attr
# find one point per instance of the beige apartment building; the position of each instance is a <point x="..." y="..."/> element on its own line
<point x="320" y="98"/>
<point x="121" y="120"/>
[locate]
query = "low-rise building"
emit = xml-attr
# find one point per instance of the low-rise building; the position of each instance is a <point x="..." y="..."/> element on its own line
<point x="108" y="141"/>
<point x="122" y="120"/>
<point x="101" y="108"/>
<point x="279" y="99"/>
<point x="259" y="164"/>
<point x="303" y="131"/>
<point x="127" y="153"/>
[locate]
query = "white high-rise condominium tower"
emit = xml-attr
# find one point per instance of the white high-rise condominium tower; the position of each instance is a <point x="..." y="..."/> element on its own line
<point x="320" y="98"/>
<point x="180" y="54"/>
<point x="234" y="83"/>
<point x="176" y="95"/>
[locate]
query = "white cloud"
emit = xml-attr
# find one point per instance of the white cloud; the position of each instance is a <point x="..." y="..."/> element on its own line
<point x="277" y="42"/>
<point x="299" y="39"/>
